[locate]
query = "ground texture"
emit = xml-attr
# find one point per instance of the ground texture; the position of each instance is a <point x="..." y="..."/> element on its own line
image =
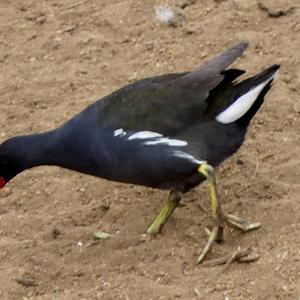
<point x="57" y="57"/>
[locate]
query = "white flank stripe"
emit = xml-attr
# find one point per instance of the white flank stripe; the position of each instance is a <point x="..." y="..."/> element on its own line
<point x="166" y="141"/>
<point x="154" y="138"/>
<point x="237" y="109"/>
<point x="143" y="135"/>
<point x="188" y="157"/>
<point x="119" y="132"/>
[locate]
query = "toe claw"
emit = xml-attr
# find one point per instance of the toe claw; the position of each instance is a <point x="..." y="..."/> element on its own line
<point x="252" y="226"/>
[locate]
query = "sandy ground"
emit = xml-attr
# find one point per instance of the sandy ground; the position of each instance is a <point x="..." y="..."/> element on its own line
<point x="56" y="57"/>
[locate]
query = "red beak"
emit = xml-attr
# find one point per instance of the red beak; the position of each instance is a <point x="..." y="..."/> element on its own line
<point x="2" y="182"/>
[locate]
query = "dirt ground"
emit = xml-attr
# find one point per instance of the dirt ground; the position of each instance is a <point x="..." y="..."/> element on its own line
<point x="58" y="56"/>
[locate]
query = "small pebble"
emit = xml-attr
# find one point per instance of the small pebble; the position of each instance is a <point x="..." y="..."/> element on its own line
<point x="41" y="20"/>
<point x="57" y="39"/>
<point x="5" y="192"/>
<point x="190" y="29"/>
<point x="55" y="232"/>
<point x="184" y="3"/>
<point x="69" y="28"/>
<point x="169" y="16"/>
<point x="297" y="27"/>
<point x="296" y="107"/>
<point x="164" y="13"/>
<point x="100" y="235"/>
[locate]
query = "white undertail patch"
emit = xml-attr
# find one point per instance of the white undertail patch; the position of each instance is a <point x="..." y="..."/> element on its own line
<point x="237" y="109"/>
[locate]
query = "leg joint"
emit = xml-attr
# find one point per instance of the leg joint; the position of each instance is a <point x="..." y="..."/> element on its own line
<point x="207" y="171"/>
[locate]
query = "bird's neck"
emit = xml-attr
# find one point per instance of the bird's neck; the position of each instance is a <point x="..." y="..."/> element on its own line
<point x="63" y="147"/>
<point x="37" y="149"/>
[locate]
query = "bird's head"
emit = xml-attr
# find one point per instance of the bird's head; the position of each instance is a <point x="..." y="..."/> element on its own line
<point x="10" y="165"/>
<point x="8" y="169"/>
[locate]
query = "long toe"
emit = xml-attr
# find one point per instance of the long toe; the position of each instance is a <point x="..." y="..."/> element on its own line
<point x="216" y="234"/>
<point x="212" y="238"/>
<point x="239" y="223"/>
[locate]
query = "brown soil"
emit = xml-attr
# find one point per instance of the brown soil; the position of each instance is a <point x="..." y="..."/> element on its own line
<point x="56" y="57"/>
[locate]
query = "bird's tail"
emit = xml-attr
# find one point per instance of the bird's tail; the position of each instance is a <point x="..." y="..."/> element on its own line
<point x="248" y="97"/>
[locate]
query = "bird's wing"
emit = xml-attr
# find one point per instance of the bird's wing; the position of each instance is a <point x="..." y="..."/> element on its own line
<point x="209" y="75"/>
<point x="169" y="103"/>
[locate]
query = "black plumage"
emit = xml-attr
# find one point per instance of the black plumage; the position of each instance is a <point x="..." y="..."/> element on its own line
<point x="154" y="132"/>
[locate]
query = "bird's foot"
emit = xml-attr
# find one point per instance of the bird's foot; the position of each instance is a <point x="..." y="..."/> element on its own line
<point x="218" y="216"/>
<point x="216" y="234"/>
<point x="165" y="213"/>
<point x="240" y="255"/>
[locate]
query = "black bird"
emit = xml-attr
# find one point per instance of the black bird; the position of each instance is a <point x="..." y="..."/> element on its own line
<point x="166" y="132"/>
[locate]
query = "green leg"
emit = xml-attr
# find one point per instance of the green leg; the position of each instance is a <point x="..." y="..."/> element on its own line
<point x="166" y="212"/>
<point x="217" y="214"/>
